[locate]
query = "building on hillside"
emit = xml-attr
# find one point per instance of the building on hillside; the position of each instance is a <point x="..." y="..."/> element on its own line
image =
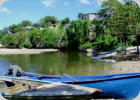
<point x="67" y="25"/>
<point x="28" y="27"/>
<point x="91" y="16"/>
<point x="53" y="25"/>
<point x="41" y="28"/>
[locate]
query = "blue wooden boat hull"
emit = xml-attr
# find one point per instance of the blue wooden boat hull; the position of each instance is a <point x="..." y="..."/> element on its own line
<point x="118" y="86"/>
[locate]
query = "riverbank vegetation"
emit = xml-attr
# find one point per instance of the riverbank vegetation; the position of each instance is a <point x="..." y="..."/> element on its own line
<point x="119" y="27"/>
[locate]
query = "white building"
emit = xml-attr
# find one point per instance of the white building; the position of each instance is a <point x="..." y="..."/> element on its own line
<point x="28" y="27"/>
<point x="91" y="16"/>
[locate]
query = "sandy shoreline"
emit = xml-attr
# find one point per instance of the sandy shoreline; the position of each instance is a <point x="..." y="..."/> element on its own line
<point x="125" y="67"/>
<point x="25" y="51"/>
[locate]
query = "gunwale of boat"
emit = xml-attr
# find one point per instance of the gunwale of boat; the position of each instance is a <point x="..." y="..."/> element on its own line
<point x="111" y="77"/>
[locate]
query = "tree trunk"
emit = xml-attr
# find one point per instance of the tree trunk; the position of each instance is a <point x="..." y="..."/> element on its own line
<point x="124" y="46"/>
<point x="137" y="46"/>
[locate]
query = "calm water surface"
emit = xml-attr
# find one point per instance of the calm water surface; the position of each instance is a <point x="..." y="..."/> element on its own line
<point x="56" y="63"/>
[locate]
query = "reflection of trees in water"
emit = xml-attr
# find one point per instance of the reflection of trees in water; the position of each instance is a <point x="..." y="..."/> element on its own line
<point x="57" y="63"/>
<point x="20" y="60"/>
<point x="4" y="65"/>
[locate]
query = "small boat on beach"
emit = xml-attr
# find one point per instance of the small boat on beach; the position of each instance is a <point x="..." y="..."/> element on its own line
<point x="117" y="86"/>
<point x="137" y="49"/>
<point x="104" y="55"/>
<point x="128" y="48"/>
<point x="48" y="90"/>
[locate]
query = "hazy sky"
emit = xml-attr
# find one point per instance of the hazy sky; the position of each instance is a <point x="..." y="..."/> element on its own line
<point x="15" y="11"/>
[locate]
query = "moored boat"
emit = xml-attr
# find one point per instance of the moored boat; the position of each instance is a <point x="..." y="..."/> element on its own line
<point x="128" y="48"/>
<point x="104" y="55"/>
<point x="137" y="49"/>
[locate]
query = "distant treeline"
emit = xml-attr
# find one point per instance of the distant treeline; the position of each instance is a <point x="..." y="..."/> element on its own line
<point x="121" y="27"/>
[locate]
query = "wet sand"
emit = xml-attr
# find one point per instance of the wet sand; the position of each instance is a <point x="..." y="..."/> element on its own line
<point x="25" y="51"/>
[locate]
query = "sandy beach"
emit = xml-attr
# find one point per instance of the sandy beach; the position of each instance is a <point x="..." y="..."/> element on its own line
<point x="125" y="67"/>
<point x="25" y="51"/>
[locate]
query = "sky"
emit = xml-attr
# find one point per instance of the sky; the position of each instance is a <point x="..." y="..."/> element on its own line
<point x="15" y="11"/>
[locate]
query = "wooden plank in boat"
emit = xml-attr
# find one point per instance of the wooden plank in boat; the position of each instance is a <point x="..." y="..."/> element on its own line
<point x="1" y="82"/>
<point x="13" y="89"/>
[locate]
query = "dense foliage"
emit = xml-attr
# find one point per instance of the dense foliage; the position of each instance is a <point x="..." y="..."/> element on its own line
<point x="65" y="21"/>
<point x="78" y="33"/>
<point x="120" y="27"/>
<point x="36" y="38"/>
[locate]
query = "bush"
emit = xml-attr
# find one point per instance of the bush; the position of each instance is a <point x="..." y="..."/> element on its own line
<point x="86" y="45"/>
<point x="9" y="40"/>
<point x="26" y="44"/>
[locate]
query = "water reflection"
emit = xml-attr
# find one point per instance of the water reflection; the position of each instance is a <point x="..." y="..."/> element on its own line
<point x="56" y="63"/>
<point x="106" y="60"/>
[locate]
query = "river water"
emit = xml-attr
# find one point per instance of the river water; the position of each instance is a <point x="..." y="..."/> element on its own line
<point x="56" y="63"/>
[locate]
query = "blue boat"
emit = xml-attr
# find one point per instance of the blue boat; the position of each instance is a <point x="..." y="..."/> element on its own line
<point x="117" y="86"/>
<point x="104" y="55"/>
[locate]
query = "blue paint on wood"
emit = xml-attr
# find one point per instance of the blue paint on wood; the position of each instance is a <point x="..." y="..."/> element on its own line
<point x="118" y="86"/>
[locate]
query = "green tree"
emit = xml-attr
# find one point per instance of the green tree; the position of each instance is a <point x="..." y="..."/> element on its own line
<point x="13" y="28"/>
<point x="65" y="21"/>
<point x="9" y="40"/>
<point x="35" y="37"/>
<point x="4" y="31"/>
<point x="80" y="16"/>
<point x="120" y="17"/>
<point x="50" y="19"/>
<point x="48" y="24"/>
<point x="36" y="25"/>
<point x="23" y="40"/>
<point x="51" y="37"/>
<point x="78" y="33"/>
<point x="25" y="23"/>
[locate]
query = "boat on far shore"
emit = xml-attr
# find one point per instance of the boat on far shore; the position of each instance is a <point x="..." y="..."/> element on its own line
<point x="104" y="55"/>
<point x="137" y="49"/>
<point x="128" y="48"/>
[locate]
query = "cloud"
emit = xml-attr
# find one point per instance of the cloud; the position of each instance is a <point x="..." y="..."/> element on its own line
<point x="4" y="9"/>
<point x="49" y="3"/>
<point x="24" y="15"/>
<point x="85" y="2"/>
<point x="66" y="4"/>
<point x="101" y="1"/>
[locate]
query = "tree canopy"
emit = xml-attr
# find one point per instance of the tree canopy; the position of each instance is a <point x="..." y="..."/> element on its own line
<point x="48" y="19"/>
<point x="65" y="21"/>
<point x="80" y="16"/>
<point x="25" y="23"/>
